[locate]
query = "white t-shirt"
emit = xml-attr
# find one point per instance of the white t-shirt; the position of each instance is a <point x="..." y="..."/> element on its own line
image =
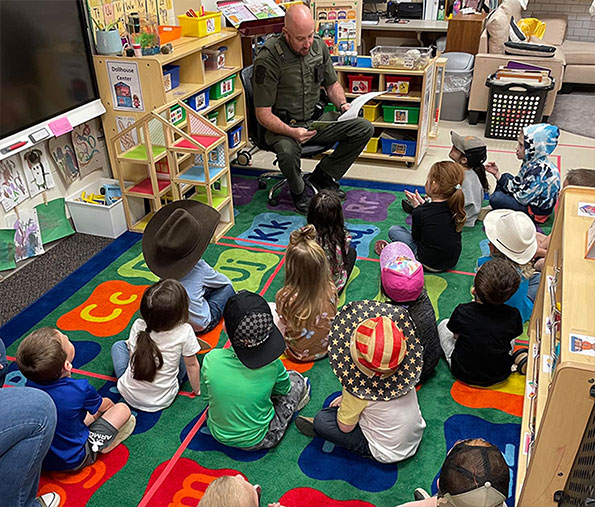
<point x="392" y="428"/>
<point x="159" y="394"/>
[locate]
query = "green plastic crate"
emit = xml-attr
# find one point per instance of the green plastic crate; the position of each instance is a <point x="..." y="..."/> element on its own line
<point x="230" y="110"/>
<point x="400" y="114"/>
<point x="223" y="88"/>
<point x="213" y="117"/>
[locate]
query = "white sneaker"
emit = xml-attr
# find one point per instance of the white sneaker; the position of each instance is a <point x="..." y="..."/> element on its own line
<point x="123" y="434"/>
<point x="305" y="395"/>
<point x="49" y="500"/>
<point x="421" y="494"/>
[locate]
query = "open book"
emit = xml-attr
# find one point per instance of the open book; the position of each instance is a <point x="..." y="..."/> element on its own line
<point x="350" y="114"/>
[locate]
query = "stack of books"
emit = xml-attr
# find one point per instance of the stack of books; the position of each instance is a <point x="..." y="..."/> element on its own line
<point x="520" y="72"/>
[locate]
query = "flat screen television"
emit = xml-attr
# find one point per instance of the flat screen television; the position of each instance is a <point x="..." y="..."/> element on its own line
<point x="46" y="70"/>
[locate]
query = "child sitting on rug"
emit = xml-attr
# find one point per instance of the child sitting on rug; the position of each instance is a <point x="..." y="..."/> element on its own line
<point x="473" y="473"/>
<point x="534" y="190"/>
<point x="251" y="396"/>
<point x="87" y="423"/>
<point x="479" y="337"/>
<point x="512" y="236"/>
<point x="174" y="241"/>
<point x="402" y="283"/>
<point x="377" y="357"/>
<point x="228" y="490"/>
<point x="325" y="213"/>
<point x="161" y="348"/>
<point x="307" y="303"/>
<point x="436" y="224"/>
<point x="471" y="152"/>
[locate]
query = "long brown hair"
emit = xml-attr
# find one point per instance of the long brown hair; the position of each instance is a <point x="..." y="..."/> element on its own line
<point x="447" y="177"/>
<point x="307" y="281"/>
<point x="164" y="306"/>
<point x="325" y="213"/>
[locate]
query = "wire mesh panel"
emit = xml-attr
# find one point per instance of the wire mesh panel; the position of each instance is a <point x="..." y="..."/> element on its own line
<point x="201" y="127"/>
<point x="513" y="106"/>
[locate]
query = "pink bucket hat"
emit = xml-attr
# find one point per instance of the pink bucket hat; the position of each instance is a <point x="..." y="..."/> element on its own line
<point x="402" y="276"/>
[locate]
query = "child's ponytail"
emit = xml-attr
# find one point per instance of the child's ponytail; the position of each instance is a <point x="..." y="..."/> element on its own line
<point x="475" y="159"/>
<point x="146" y="358"/>
<point x="456" y="204"/>
<point x="448" y="178"/>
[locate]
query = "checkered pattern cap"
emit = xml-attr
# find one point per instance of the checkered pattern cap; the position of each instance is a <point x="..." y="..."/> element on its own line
<point x="253" y="330"/>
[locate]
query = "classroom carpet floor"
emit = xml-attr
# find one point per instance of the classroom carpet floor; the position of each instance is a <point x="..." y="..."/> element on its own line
<point x="171" y="457"/>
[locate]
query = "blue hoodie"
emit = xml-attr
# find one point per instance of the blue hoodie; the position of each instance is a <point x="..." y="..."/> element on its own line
<point x="538" y="181"/>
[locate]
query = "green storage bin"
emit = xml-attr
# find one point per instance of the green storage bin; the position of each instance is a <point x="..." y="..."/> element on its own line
<point x="223" y="88"/>
<point x="400" y="114"/>
<point x="230" y="110"/>
<point x="213" y="117"/>
<point x="330" y="108"/>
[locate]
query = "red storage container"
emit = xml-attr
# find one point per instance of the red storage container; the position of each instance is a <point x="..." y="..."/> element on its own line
<point x="398" y="84"/>
<point x="360" y="84"/>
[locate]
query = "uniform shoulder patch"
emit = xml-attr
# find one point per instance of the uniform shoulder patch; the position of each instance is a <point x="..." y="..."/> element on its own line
<point x="259" y="74"/>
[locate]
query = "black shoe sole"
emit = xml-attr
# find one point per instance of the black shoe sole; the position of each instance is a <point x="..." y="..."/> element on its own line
<point x="407" y="207"/>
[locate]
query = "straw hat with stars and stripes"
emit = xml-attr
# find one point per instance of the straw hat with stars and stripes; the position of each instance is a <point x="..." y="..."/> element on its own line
<point x="374" y="350"/>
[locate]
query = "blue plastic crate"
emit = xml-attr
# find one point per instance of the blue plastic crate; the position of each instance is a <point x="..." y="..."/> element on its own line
<point x="173" y="71"/>
<point x="234" y="137"/>
<point x="199" y="101"/>
<point x="398" y="148"/>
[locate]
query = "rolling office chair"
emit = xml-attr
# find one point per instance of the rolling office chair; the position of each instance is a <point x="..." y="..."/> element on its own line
<point x="256" y="133"/>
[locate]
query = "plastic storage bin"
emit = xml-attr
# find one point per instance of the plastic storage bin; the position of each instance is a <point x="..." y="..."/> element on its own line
<point x="213" y="117"/>
<point x="372" y="146"/>
<point x="457" y="83"/>
<point x="234" y="137"/>
<point x="398" y="84"/>
<point x="372" y="111"/>
<point x="330" y="108"/>
<point x="214" y="58"/>
<point x="398" y="147"/>
<point x="223" y="88"/>
<point x="99" y="219"/>
<point x="512" y="106"/>
<point x="360" y="84"/>
<point x="177" y="114"/>
<point x="200" y="100"/>
<point x="202" y="26"/>
<point x="171" y="77"/>
<point x="230" y="110"/>
<point x="169" y="33"/>
<point x="401" y="114"/>
<point x="392" y="57"/>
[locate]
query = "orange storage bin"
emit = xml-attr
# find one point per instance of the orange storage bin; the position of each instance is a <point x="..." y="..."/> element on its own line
<point x="168" y="33"/>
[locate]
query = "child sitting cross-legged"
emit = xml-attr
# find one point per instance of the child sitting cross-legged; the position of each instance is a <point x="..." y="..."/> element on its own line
<point x="162" y="347"/>
<point x="87" y="423"/>
<point x="377" y="357"/>
<point x="252" y="397"/>
<point x="307" y="303"/>
<point x="479" y="337"/>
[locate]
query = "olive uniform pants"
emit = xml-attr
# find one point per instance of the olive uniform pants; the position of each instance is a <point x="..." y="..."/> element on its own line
<point x="352" y="136"/>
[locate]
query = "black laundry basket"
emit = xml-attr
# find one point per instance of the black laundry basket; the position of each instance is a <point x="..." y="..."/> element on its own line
<point x="513" y="106"/>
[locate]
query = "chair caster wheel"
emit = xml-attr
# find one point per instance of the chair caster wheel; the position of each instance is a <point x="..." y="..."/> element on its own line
<point x="408" y="164"/>
<point x="243" y="158"/>
<point x="273" y="202"/>
<point x="262" y="184"/>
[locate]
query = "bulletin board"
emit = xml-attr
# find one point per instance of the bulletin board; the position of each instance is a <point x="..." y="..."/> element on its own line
<point x="104" y="12"/>
<point x="338" y="22"/>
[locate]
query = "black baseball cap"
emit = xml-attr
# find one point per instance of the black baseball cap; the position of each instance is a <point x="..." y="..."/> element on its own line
<point x="249" y="323"/>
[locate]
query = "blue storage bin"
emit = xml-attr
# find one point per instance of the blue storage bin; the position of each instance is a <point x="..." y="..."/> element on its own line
<point x="171" y="77"/>
<point x="234" y="137"/>
<point x="199" y="101"/>
<point x="398" y="148"/>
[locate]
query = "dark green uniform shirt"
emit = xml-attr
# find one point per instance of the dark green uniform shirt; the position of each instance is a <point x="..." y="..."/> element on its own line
<point x="290" y="83"/>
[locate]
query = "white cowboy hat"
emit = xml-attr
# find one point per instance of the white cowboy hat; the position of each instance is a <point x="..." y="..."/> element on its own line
<point x="512" y="233"/>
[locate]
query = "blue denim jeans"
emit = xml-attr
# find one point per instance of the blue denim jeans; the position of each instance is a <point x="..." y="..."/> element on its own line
<point x="501" y="199"/>
<point x="3" y="363"/>
<point x="216" y="298"/>
<point x="533" y="286"/>
<point x="325" y="426"/>
<point x="27" y="425"/>
<point x="403" y="234"/>
<point x="121" y="358"/>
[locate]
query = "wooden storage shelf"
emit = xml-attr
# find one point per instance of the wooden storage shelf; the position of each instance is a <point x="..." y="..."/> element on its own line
<point x="383" y="156"/>
<point x="214" y="104"/>
<point x="404" y="126"/>
<point x="233" y="123"/>
<point x="557" y="403"/>
<point x="185" y="46"/>
<point x="414" y="96"/>
<point x="372" y="70"/>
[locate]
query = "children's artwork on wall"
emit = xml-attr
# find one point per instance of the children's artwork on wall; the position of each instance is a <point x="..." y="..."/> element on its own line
<point x="27" y="235"/>
<point x="13" y="190"/>
<point x="89" y="145"/>
<point x="7" y="249"/>
<point x="52" y="220"/>
<point x="130" y="139"/>
<point x="36" y="166"/>
<point x="63" y="155"/>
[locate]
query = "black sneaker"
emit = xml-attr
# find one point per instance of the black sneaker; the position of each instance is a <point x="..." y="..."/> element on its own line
<point x="407" y="206"/>
<point x="305" y="425"/>
<point x="301" y="202"/>
<point x="321" y="181"/>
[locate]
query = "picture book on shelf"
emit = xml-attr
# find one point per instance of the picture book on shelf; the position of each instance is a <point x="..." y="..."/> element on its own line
<point x="235" y="12"/>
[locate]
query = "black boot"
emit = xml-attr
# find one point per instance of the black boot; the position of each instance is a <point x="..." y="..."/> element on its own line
<point x="407" y="206"/>
<point x="301" y="202"/>
<point x="321" y="180"/>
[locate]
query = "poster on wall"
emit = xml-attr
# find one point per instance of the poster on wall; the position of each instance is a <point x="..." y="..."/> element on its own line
<point x="130" y="139"/>
<point x="88" y="141"/>
<point x="125" y="86"/>
<point x="13" y="190"/>
<point x="27" y="235"/>
<point x="37" y="170"/>
<point x="63" y="155"/>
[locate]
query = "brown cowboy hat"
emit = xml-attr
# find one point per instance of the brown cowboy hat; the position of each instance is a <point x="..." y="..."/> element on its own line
<point x="177" y="236"/>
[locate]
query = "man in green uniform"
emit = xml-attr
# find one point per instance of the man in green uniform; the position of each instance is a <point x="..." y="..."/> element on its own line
<point x="289" y="72"/>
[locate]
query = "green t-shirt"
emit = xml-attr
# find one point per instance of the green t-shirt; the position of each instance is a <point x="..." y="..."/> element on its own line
<point x="240" y="406"/>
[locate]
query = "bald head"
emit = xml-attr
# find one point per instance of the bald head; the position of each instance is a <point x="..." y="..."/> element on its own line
<point x="299" y="28"/>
